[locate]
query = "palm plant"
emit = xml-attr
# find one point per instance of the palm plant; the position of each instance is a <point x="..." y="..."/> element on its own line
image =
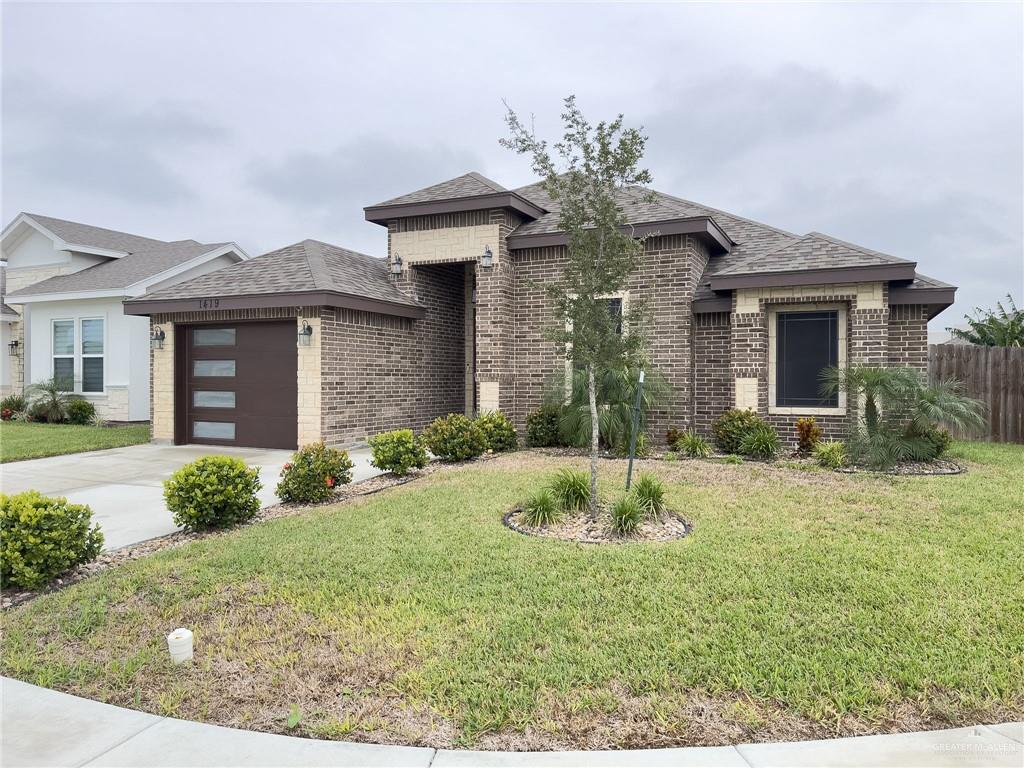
<point x="616" y="395"/>
<point x="883" y="390"/>
<point x="945" y="403"/>
<point x="999" y="328"/>
<point x="49" y="399"/>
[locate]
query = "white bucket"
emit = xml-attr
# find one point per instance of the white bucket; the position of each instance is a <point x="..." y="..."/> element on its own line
<point x="179" y="643"/>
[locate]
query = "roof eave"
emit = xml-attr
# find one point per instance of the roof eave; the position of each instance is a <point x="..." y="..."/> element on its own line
<point x="381" y="214"/>
<point x="863" y="274"/>
<point x="144" y="306"/>
<point x="701" y="226"/>
<point x="936" y="299"/>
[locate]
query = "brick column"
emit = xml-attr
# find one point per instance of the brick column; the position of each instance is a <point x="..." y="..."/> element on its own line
<point x="161" y="396"/>
<point x="309" y="383"/>
<point x="495" y="325"/>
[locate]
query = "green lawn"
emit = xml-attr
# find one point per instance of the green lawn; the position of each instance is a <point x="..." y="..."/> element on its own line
<point x="805" y="604"/>
<point x="19" y="440"/>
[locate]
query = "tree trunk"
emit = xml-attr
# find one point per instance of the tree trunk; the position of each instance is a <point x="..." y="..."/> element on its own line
<point x="595" y="434"/>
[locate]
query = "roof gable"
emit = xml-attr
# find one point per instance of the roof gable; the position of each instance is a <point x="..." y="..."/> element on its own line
<point x="73" y="235"/>
<point x="470" y="184"/>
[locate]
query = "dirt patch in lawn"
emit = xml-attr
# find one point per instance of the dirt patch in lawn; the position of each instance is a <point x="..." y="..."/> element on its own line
<point x="585" y="529"/>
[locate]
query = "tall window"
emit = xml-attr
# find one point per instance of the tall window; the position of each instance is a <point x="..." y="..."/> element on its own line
<point x="64" y="354"/>
<point x="808" y="342"/>
<point x="615" y="310"/>
<point x="92" y="355"/>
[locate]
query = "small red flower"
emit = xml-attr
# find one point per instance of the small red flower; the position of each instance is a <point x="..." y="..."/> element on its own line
<point x="330" y="481"/>
<point x="287" y="467"/>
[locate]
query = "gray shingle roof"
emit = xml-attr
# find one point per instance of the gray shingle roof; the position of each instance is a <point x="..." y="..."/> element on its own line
<point x="8" y="314"/>
<point x="75" y="233"/>
<point x="123" y="272"/>
<point x="812" y="251"/>
<point x="468" y="185"/>
<point x="302" y="267"/>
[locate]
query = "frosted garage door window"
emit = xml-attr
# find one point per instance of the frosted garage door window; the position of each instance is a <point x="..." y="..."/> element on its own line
<point x="213" y="430"/>
<point x="213" y="367"/>
<point x="214" y="337"/>
<point x="213" y="399"/>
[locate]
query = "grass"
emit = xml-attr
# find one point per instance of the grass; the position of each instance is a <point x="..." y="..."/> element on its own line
<point x="805" y="604"/>
<point x="19" y="440"/>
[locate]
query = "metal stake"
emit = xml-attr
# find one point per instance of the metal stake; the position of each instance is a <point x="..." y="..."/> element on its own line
<point x="636" y="424"/>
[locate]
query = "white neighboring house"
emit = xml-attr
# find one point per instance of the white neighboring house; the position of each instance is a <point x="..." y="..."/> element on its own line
<point x="65" y="283"/>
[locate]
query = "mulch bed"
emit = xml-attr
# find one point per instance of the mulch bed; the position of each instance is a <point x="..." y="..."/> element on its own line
<point x="582" y="528"/>
<point x="115" y="557"/>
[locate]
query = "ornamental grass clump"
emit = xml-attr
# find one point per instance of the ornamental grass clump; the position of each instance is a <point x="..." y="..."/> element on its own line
<point x="830" y="454"/>
<point x="692" y="445"/>
<point x="760" y="442"/>
<point x="41" y="537"/>
<point x="542" y="509"/>
<point x="313" y="474"/>
<point x="398" y="452"/>
<point x="213" y="492"/>
<point x="627" y="515"/>
<point x="571" y="489"/>
<point x="649" y="493"/>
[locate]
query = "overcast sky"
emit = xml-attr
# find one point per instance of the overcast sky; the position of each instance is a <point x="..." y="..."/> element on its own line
<point x="898" y="127"/>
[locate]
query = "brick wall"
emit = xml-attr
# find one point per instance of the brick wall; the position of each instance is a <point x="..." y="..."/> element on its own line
<point x="908" y="336"/>
<point x="712" y="375"/>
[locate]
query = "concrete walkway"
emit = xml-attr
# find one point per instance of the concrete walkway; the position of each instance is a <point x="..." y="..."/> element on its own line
<point x="124" y="486"/>
<point x="41" y="727"/>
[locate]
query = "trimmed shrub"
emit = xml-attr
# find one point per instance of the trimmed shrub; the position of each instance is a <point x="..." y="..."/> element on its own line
<point x="627" y="515"/>
<point x="541" y="509"/>
<point x="693" y="446"/>
<point x="732" y="426"/>
<point x="542" y="430"/>
<point x="41" y="537"/>
<point x="649" y="493"/>
<point x="397" y="452"/>
<point x="313" y="473"/>
<point x="672" y="436"/>
<point x="14" y="403"/>
<point x="830" y="454"/>
<point x="571" y="488"/>
<point x="39" y="412"/>
<point x="936" y="440"/>
<point x="760" y="442"/>
<point x="808" y="435"/>
<point x="81" y="411"/>
<point x="498" y="431"/>
<point x="454" y="438"/>
<point x="213" y="492"/>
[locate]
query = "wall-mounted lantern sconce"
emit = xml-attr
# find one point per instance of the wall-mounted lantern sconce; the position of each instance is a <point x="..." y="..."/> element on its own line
<point x="156" y="338"/>
<point x="305" y="334"/>
<point x="396" y="265"/>
<point x="487" y="259"/>
<point x="14" y="348"/>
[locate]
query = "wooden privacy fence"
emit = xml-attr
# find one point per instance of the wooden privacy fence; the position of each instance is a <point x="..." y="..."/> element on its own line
<point x="992" y="374"/>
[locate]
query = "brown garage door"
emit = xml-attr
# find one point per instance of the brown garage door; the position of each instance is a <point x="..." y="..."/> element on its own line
<point x="239" y="385"/>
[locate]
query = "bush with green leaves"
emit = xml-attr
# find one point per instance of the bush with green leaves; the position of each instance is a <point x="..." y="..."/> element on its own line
<point x="649" y="493"/>
<point x="938" y="440"/>
<point x="313" y="474"/>
<point x="692" y="445"/>
<point x="499" y="433"/>
<point x="627" y="515"/>
<point x="830" y="454"/>
<point x="542" y="509"/>
<point x="41" y="537"/>
<point x="81" y="411"/>
<point x="732" y="426"/>
<point x="542" y="429"/>
<point x="454" y="438"/>
<point x="571" y="488"/>
<point x="808" y="435"/>
<point x="398" y="452"/>
<point x="760" y="442"/>
<point x="1001" y="327"/>
<point x="14" y="403"/>
<point x="213" y="492"/>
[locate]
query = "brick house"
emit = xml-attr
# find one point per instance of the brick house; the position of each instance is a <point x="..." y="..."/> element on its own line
<point x="317" y="342"/>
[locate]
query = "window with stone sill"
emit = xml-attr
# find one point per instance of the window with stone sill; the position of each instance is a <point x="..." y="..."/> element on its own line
<point x="806" y="344"/>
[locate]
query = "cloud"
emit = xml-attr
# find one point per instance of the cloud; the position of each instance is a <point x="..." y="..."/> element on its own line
<point x="724" y="118"/>
<point x="359" y="172"/>
<point x="100" y="145"/>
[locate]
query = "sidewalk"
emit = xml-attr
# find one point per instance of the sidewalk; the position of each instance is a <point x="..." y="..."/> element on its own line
<point x="41" y="727"/>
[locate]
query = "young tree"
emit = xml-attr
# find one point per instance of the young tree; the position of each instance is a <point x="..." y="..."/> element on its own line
<point x="591" y="166"/>
<point x="1002" y="327"/>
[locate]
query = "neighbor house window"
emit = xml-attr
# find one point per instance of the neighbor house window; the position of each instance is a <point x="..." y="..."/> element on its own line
<point x="806" y="344"/>
<point x="92" y="355"/>
<point x="63" y="350"/>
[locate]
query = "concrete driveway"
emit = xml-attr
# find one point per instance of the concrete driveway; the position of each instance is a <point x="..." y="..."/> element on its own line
<point x="124" y="486"/>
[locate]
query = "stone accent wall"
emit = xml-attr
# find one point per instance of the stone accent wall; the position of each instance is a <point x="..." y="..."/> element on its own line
<point x="22" y="277"/>
<point x="17" y="363"/>
<point x="161" y="377"/>
<point x="867" y="315"/>
<point x="712" y="379"/>
<point x="310" y="383"/>
<point x="908" y="336"/>
<point x="436" y="246"/>
<point x="113" y="406"/>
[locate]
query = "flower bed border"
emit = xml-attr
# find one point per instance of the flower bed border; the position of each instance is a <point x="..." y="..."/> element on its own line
<point x="509" y="523"/>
